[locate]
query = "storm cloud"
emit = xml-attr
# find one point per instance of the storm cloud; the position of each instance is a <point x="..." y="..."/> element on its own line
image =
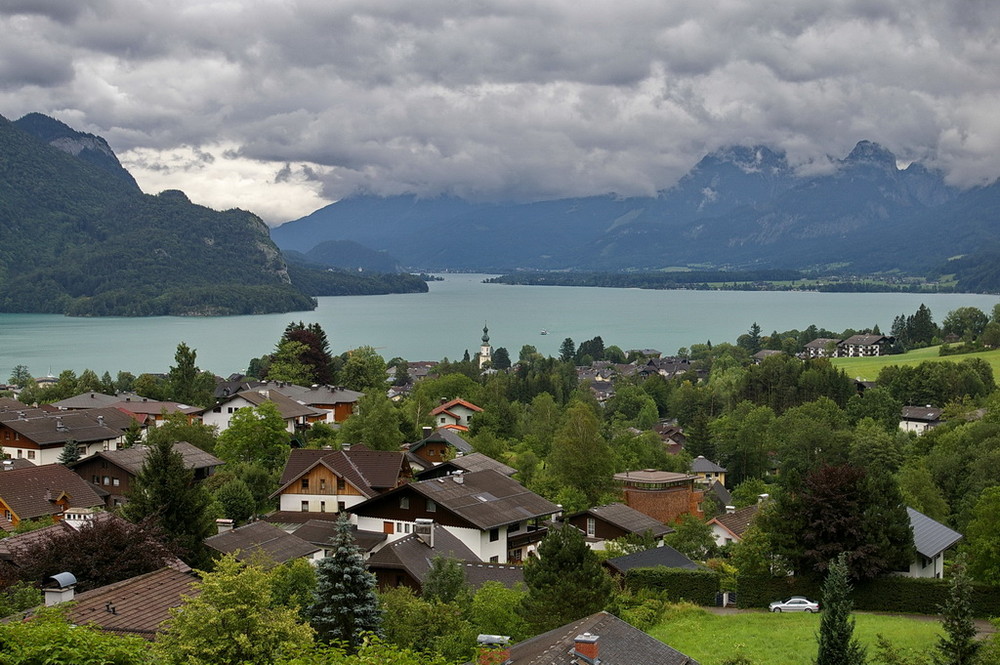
<point x="283" y="107"/>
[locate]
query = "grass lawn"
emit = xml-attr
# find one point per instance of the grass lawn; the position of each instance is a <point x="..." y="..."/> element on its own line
<point x="868" y="368"/>
<point x="778" y="639"/>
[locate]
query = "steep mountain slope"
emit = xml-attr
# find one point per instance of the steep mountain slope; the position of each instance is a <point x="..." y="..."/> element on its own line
<point x="739" y="207"/>
<point x="80" y="238"/>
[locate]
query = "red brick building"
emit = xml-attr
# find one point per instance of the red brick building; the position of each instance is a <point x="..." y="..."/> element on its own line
<point x="662" y="495"/>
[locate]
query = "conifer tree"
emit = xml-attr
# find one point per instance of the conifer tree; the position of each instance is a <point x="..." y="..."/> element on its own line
<point x="837" y="644"/>
<point x="957" y="646"/>
<point x="566" y="581"/>
<point x="345" y="605"/>
<point x="165" y="491"/>
<point x="70" y="453"/>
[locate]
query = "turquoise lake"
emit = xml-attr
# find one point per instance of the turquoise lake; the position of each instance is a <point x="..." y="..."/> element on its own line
<point x="449" y="319"/>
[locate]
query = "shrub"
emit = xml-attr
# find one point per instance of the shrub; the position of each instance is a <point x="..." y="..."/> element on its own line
<point x="695" y="586"/>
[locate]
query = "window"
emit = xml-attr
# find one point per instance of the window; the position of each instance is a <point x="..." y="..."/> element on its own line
<point x="322" y="484"/>
<point x="591" y="526"/>
<point x="31" y="454"/>
<point x="494" y="559"/>
<point x="20" y="453"/>
<point x="431" y="506"/>
<point x="305" y="483"/>
<point x="514" y="527"/>
<point x="81" y="450"/>
<point x="107" y="445"/>
<point x="305" y="506"/>
<point x="96" y="480"/>
<point x="341" y="485"/>
<point x="115" y="482"/>
<point x="107" y="480"/>
<point x="404" y="503"/>
<point x="341" y="506"/>
<point x="322" y="506"/>
<point x="494" y="535"/>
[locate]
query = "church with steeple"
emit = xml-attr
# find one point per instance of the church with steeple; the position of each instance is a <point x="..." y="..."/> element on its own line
<point x="485" y="351"/>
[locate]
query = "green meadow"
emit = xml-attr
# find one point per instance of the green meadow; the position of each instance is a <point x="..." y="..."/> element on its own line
<point x="778" y="639"/>
<point x="868" y="368"/>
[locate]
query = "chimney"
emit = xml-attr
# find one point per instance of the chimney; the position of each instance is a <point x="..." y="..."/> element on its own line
<point x="587" y="647"/>
<point x="492" y="650"/>
<point x="223" y="525"/>
<point x="761" y="498"/>
<point x="426" y="431"/>
<point x="730" y="510"/>
<point x="59" y="588"/>
<point x="346" y="445"/>
<point x="424" y="530"/>
<point x="100" y="420"/>
<point x="457" y="477"/>
<point x="8" y="464"/>
<point x="444" y="400"/>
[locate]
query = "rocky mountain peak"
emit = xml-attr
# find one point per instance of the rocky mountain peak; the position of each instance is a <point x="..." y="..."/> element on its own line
<point x="869" y="152"/>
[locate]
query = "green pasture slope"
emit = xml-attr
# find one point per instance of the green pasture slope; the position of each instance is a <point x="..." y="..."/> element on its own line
<point x="868" y="368"/>
<point x="779" y="639"/>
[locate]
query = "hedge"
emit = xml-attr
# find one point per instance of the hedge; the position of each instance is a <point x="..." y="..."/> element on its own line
<point x="694" y="586"/>
<point x="884" y="594"/>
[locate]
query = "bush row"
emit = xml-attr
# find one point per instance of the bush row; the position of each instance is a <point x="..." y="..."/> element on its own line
<point x="884" y="594"/>
<point x="695" y="586"/>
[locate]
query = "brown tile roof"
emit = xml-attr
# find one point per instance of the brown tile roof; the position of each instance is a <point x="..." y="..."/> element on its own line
<point x="32" y="493"/>
<point x="322" y="532"/>
<point x="261" y="538"/>
<point x="455" y="402"/>
<point x="288" y="407"/>
<point x="132" y="459"/>
<point x="369" y="471"/>
<point x="485" y="499"/>
<point x="9" y="544"/>
<point x="737" y="522"/>
<point x="619" y="644"/>
<point x="136" y="606"/>
<point x="296" y="517"/>
<point x="629" y="519"/>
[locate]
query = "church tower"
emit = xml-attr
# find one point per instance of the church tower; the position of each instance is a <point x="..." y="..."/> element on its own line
<point x="485" y="351"/>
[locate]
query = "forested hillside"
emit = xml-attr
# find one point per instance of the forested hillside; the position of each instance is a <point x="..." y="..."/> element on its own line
<point x="81" y="239"/>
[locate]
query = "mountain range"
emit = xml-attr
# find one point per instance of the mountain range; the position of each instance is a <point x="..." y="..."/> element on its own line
<point x="738" y="208"/>
<point x="81" y="238"/>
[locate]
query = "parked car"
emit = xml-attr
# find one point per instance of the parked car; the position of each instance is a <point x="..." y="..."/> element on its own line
<point x="794" y="604"/>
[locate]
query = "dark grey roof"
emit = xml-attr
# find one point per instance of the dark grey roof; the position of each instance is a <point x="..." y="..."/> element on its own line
<point x="322" y="532"/>
<point x="32" y="493"/>
<point x="468" y="463"/>
<point x="444" y="435"/>
<point x="261" y="538"/>
<point x="701" y="465"/>
<point x="89" y="400"/>
<point x="921" y="413"/>
<point x="51" y="429"/>
<point x="930" y="537"/>
<point x="721" y="493"/>
<point x="628" y="519"/>
<point x="657" y="556"/>
<point x="413" y="554"/>
<point x="132" y="459"/>
<point x="619" y="643"/>
<point x="486" y="499"/>
<point x="478" y="573"/>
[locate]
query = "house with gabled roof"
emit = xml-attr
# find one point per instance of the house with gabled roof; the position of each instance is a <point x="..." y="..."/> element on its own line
<point x="325" y="482"/>
<point x="322" y="533"/>
<point x="496" y="517"/>
<point x="115" y="470"/>
<point x="600" y="638"/>
<point x="297" y="416"/>
<point x="729" y="527"/>
<point x="821" y="347"/>
<point x="865" y="346"/>
<point x="919" y="419"/>
<point x="263" y="543"/>
<point x="456" y="414"/>
<point x="439" y="445"/>
<point x="44" y="491"/>
<point x="39" y="436"/>
<point x="467" y="464"/>
<point x="931" y="539"/>
<point x="615" y="520"/>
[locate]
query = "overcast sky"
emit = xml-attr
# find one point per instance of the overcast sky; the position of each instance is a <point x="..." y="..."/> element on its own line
<point x="283" y="107"/>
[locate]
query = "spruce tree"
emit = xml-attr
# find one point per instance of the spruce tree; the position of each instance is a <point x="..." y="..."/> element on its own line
<point x="958" y="645"/>
<point x="345" y="605"/>
<point x="70" y="453"/>
<point x="837" y="644"/>
<point x="165" y="491"/>
<point x="565" y="582"/>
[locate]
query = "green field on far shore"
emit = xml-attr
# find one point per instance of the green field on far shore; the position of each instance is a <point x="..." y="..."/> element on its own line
<point x="868" y="368"/>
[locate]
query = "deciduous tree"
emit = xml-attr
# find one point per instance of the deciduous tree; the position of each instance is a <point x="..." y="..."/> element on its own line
<point x="256" y="435"/>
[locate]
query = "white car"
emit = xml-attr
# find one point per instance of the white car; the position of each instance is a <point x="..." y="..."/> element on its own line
<point x="794" y="604"/>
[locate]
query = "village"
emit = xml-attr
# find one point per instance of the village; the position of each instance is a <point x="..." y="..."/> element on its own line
<point x="731" y="475"/>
